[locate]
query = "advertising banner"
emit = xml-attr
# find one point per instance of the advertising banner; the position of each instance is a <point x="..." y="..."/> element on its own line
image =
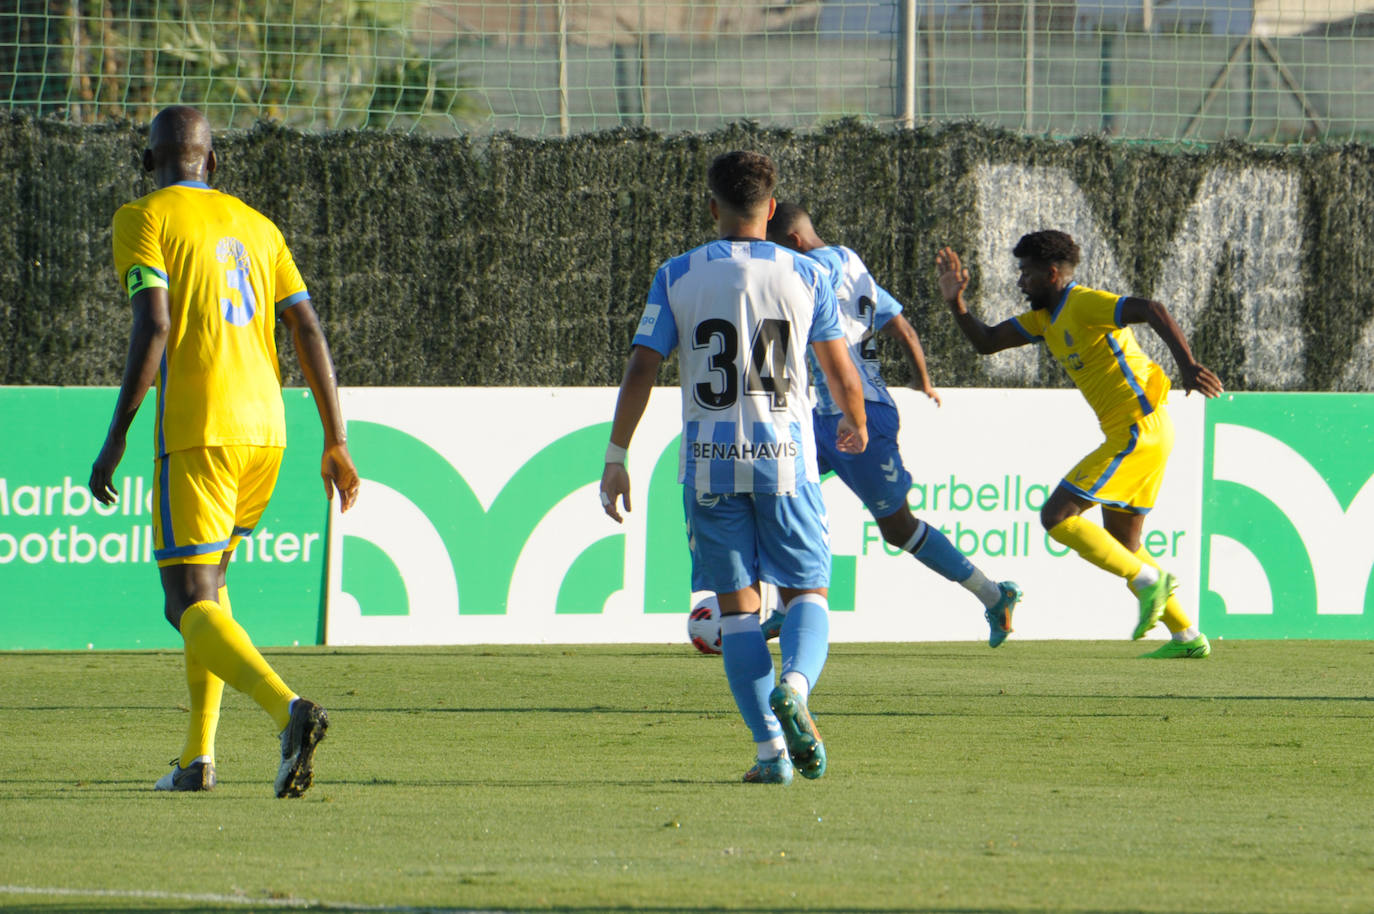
<point x="77" y="574"/>
<point x="1288" y="511"/>
<point x="479" y="522"/>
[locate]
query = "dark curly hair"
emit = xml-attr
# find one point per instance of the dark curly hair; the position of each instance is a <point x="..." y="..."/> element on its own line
<point x="1046" y="247"/>
<point x="742" y="180"/>
<point x="785" y="219"/>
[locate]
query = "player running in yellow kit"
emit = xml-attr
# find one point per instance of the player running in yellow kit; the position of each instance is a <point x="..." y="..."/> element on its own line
<point x="1088" y="333"/>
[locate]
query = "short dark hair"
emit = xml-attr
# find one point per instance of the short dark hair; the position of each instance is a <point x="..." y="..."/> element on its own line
<point x="742" y="180"/>
<point x="1048" y="246"/>
<point x="786" y="218"/>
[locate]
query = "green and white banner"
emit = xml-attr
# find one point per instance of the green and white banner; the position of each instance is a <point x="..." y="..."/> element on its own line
<point x="1289" y="516"/>
<point x="479" y="522"/>
<point x="77" y="574"/>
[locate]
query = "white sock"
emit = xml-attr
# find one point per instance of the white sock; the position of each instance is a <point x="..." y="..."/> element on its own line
<point x="1147" y="576"/>
<point x="797" y="681"/>
<point x="984" y="588"/>
<point x="741" y="622"/>
<point x="771" y="749"/>
<point x="1188" y="634"/>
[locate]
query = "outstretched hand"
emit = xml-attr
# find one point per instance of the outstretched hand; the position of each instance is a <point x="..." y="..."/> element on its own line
<point x="952" y="275"/>
<point x="1202" y="379"/>
<point x="338" y="472"/>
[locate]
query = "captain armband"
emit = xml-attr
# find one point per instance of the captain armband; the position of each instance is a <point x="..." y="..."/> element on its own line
<point x="141" y="278"/>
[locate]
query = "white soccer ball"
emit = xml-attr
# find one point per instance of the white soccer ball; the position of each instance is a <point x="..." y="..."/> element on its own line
<point x="703" y="625"/>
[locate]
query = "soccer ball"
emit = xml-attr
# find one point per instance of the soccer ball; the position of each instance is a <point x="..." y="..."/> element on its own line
<point x="703" y="625"/>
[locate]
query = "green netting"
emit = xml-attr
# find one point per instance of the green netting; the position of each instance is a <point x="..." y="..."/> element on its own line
<point x="518" y="261"/>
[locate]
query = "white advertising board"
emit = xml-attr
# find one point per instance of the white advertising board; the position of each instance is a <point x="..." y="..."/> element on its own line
<point x="479" y="522"/>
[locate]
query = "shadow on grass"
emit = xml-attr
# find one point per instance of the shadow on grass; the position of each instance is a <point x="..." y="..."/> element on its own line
<point x="127" y="903"/>
<point x="934" y="697"/>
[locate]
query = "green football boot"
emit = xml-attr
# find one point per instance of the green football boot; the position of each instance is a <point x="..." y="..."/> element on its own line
<point x="772" y="626"/>
<point x="999" y="614"/>
<point x="799" y="730"/>
<point x="1152" y="600"/>
<point x="770" y="771"/>
<point x="1196" y="649"/>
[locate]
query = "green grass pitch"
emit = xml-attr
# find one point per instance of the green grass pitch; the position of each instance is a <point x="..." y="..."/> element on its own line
<point x="1043" y="776"/>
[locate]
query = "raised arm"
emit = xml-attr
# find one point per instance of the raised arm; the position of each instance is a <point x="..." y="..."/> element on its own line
<point x="1195" y="376"/>
<point x="147" y="343"/>
<point x="336" y="465"/>
<point x="954" y="277"/>
<point x="900" y="329"/>
<point x="847" y="389"/>
<point x="635" y="387"/>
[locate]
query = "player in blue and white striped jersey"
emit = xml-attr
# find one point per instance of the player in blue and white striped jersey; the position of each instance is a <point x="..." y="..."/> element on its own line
<point x="878" y="475"/>
<point x="741" y="311"/>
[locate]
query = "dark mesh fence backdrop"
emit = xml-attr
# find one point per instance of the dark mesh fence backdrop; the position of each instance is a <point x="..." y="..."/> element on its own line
<point x="525" y="262"/>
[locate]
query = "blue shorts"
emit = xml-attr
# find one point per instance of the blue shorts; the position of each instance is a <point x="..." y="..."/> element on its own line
<point x="877" y="475"/>
<point x="739" y="539"/>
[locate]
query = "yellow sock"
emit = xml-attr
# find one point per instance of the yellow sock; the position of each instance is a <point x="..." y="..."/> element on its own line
<point x="224" y="648"/>
<point x="1097" y="546"/>
<point x="207" y="690"/>
<point x="1175" y="619"/>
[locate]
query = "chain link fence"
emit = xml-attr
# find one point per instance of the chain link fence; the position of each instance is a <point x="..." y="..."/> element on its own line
<point x="1269" y="72"/>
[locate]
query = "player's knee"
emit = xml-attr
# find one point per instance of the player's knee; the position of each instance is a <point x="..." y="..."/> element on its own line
<point x="172" y="613"/>
<point x="897" y="528"/>
<point x="1052" y="514"/>
<point x="897" y="536"/>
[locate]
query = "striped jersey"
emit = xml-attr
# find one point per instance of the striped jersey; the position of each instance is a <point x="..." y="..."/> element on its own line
<point x="1084" y="332"/>
<point x="865" y="308"/>
<point x="741" y="314"/>
<point x="228" y="274"/>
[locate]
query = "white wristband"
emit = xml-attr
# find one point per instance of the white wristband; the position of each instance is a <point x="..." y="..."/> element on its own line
<point x="616" y="454"/>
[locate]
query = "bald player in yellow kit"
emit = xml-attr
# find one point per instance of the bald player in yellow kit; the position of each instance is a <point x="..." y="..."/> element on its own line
<point x="208" y="277"/>
<point x="1088" y="333"/>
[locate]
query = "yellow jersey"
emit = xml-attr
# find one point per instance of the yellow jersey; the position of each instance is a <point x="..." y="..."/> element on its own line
<point x="228" y="275"/>
<point x="1085" y="334"/>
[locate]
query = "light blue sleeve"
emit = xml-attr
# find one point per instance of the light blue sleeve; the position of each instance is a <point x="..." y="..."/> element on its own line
<point x="886" y="308"/>
<point x="825" y="323"/>
<point x="657" y="327"/>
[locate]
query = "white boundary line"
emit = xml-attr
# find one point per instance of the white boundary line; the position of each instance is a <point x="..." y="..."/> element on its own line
<point x="210" y="898"/>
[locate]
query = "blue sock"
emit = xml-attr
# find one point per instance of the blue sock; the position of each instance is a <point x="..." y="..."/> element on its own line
<point x="937" y="553"/>
<point x="749" y="670"/>
<point x="805" y="637"/>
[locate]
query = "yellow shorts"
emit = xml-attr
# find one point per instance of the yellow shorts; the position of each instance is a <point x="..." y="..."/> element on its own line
<point x="1126" y="470"/>
<point x="208" y="498"/>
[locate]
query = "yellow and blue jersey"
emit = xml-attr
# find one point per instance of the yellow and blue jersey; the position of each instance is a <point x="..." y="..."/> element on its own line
<point x="228" y="274"/>
<point x="1085" y="333"/>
